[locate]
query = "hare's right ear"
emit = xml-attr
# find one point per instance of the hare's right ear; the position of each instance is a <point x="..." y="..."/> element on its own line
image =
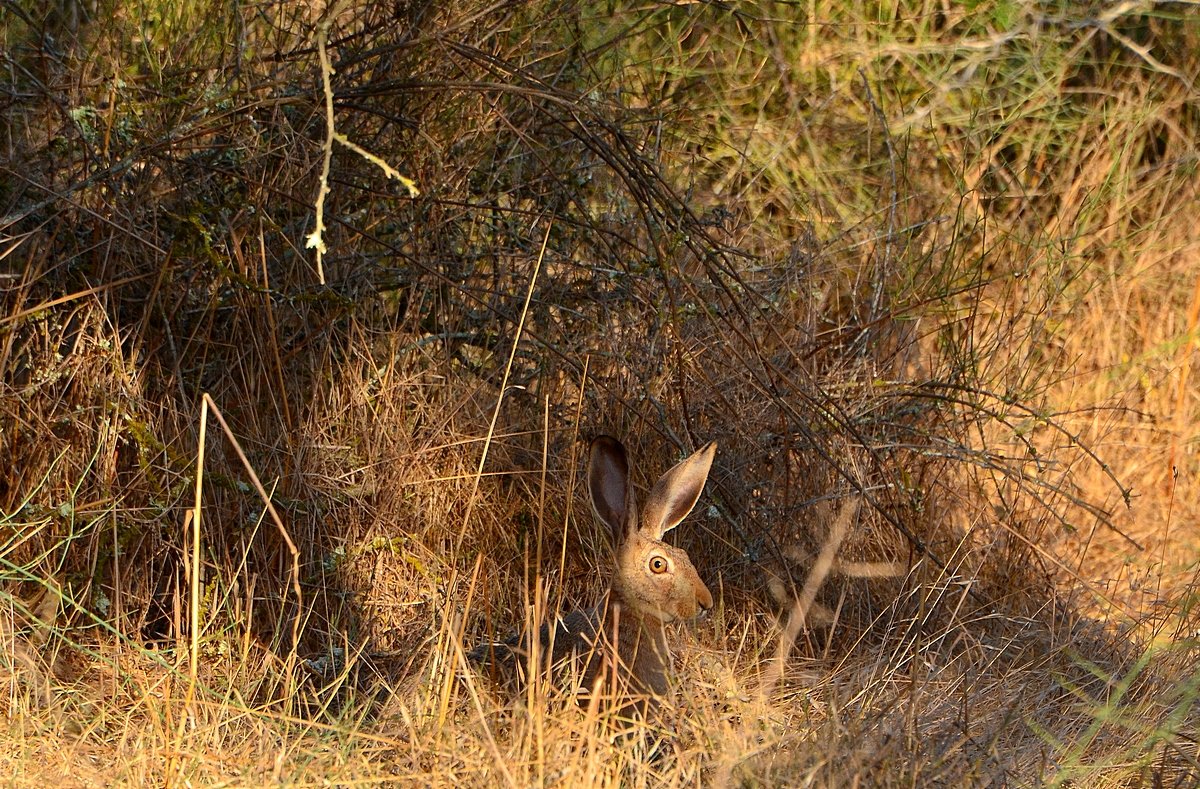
<point x="608" y="487"/>
<point x="676" y="492"/>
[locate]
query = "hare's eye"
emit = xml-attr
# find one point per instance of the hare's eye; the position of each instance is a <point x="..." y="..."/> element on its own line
<point x="658" y="565"/>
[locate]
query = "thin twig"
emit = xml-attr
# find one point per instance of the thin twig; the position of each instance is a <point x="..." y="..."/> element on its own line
<point x="315" y="239"/>
<point x="487" y="443"/>
<point x="283" y="532"/>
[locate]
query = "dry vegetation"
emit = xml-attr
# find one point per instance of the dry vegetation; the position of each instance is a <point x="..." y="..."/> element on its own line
<point x="928" y="273"/>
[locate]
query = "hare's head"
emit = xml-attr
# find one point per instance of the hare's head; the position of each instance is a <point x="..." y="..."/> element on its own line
<point x="654" y="579"/>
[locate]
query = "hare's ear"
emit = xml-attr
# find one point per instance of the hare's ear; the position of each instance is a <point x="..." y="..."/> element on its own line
<point x="608" y="486"/>
<point x="676" y="492"/>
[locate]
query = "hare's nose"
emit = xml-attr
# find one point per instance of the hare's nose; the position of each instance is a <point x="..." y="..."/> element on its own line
<point x="704" y="597"/>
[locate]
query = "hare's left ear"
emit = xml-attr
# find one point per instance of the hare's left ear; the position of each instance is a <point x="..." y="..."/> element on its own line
<point x="676" y="492"/>
<point x="608" y="487"/>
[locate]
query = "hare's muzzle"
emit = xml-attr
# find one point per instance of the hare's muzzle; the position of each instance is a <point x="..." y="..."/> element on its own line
<point x="704" y="598"/>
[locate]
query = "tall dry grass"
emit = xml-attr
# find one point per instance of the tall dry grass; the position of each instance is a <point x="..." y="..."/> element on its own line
<point x="925" y="272"/>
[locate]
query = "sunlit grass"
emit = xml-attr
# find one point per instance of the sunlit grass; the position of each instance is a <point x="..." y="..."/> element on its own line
<point x="935" y="260"/>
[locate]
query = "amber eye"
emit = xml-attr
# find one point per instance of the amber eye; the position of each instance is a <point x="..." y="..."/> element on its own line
<point x="658" y="565"/>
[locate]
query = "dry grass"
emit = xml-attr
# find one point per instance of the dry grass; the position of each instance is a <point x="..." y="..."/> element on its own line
<point x="927" y="273"/>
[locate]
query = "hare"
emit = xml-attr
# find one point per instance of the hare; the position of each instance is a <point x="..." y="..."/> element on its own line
<point x="622" y="640"/>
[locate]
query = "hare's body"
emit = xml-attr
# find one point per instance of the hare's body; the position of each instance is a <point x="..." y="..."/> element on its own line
<point x="619" y="648"/>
